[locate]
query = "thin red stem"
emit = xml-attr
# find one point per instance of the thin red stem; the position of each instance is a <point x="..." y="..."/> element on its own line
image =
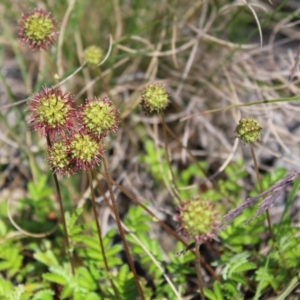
<point x="121" y="230"/>
<point x="62" y="215"/>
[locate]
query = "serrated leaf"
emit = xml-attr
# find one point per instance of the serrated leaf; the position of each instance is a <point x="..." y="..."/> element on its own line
<point x="73" y="231"/>
<point x="5" y="287"/>
<point x="113" y="250"/>
<point x="209" y="294"/>
<point x="3" y="229"/>
<point x="217" y="290"/>
<point x="79" y="238"/>
<point x="289" y="288"/>
<point x="92" y="243"/>
<point x="237" y="261"/>
<point x="74" y="217"/>
<point x="230" y="288"/>
<point x="238" y="278"/>
<point x="48" y="258"/>
<point x="264" y="275"/>
<point x="16" y="294"/>
<point x="245" y="267"/>
<point x="93" y="296"/>
<point x="66" y="292"/>
<point x="78" y="295"/>
<point x="39" y="189"/>
<point x="44" y="294"/>
<point x="12" y="260"/>
<point x="85" y="279"/>
<point x="54" y="278"/>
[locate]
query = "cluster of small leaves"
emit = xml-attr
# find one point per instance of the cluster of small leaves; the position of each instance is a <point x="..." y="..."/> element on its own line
<point x="15" y="267"/>
<point x="180" y="267"/>
<point x="82" y="285"/>
<point x="139" y="224"/>
<point x="10" y="259"/>
<point x="238" y="271"/>
<point x="236" y="265"/>
<point x="158" y="166"/>
<point x="155" y="160"/>
<point x="126" y="287"/>
<point x="251" y="269"/>
<point x="46" y="269"/>
<point x="231" y="185"/>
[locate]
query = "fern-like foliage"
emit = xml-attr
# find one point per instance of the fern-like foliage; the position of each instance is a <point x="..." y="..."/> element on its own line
<point x="10" y="259"/>
<point x="79" y="286"/>
<point x="43" y="294"/>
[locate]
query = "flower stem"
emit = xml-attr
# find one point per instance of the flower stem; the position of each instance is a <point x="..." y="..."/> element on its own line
<point x="52" y="66"/>
<point x="198" y="270"/>
<point x="267" y="211"/>
<point x="173" y="185"/>
<point x="62" y="215"/>
<point x="121" y="230"/>
<point x="90" y="179"/>
<point x="261" y="190"/>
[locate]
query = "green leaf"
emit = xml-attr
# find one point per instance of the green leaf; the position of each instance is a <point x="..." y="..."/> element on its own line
<point x="217" y="290"/>
<point x="113" y="250"/>
<point x="17" y="294"/>
<point x="93" y="296"/>
<point x="85" y="279"/>
<point x="11" y="259"/>
<point x="54" y="278"/>
<point x="48" y="258"/>
<point x="3" y="229"/>
<point x="238" y="278"/>
<point x="230" y="288"/>
<point x="39" y="189"/>
<point x="125" y="284"/>
<point x="261" y="281"/>
<point x="67" y="292"/>
<point x="71" y="220"/>
<point x="289" y="288"/>
<point x="209" y="294"/>
<point x="291" y="197"/>
<point x="44" y="295"/>
<point x="244" y="267"/>
<point x="92" y="243"/>
<point x="5" y="286"/>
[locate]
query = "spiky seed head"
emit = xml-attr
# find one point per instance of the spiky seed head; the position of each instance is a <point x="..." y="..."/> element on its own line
<point x="85" y="150"/>
<point x="51" y="111"/>
<point x="154" y="97"/>
<point x="248" y="130"/>
<point x="93" y="55"/>
<point x="198" y="220"/>
<point x="59" y="160"/>
<point x="98" y="117"/>
<point x="38" y="29"/>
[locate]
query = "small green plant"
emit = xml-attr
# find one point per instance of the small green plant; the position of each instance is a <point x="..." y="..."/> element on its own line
<point x="202" y="224"/>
